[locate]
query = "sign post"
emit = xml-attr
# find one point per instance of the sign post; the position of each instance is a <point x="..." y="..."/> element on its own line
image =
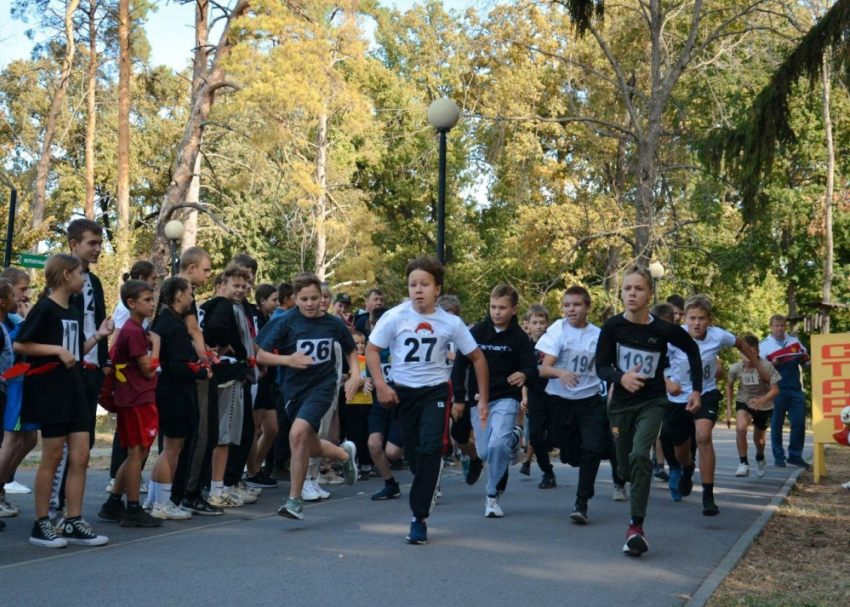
<point x="830" y="391"/>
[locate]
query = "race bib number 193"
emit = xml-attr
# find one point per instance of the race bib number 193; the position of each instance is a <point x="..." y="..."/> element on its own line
<point x="629" y="358"/>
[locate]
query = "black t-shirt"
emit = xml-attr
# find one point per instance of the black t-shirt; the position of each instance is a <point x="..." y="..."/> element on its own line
<point x="291" y="332"/>
<point x="176" y="393"/>
<point x="57" y="396"/>
<point x="361" y="323"/>
<point x="623" y="345"/>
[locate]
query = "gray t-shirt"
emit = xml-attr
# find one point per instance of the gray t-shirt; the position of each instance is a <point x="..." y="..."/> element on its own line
<point x="750" y="385"/>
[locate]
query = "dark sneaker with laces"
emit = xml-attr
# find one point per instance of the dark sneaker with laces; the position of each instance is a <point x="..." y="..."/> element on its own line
<point x="418" y="532"/>
<point x="260" y="481"/>
<point x="525" y="468"/>
<point x="686" y="481"/>
<point x="43" y="534"/>
<point x="579" y="513"/>
<point x="475" y="467"/>
<point x="111" y="512"/>
<point x="201" y="507"/>
<point x="389" y="492"/>
<point x="76" y="531"/>
<point x="709" y="508"/>
<point x="548" y="481"/>
<point x="661" y="474"/>
<point x="636" y="543"/>
<point x="138" y="517"/>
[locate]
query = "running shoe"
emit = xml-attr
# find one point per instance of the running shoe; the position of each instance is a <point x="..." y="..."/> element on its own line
<point x="309" y="493"/>
<point x="349" y="466"/>
<point x="686" y="481"/>
<point x="322" y="493"/>
<point x="517" y="433"/>
<point x="779" y="463"/>
<point x="743" y="470"/>
<point x="225" y="500"/>
<point x="475" y="467"/>
<point x="139" y="518"/>
<point x="16" y="487"/>
<point x="112" y="512"/>
<point x="200" y="506"/>
<point x="260" y="481"/>
<point x="390" y="492"/>
<point x="77" y="531"/>
<point x="579" y="513"/>
<point x="525" y="468"/>
<point x="660" y="473"/>
<point x="43" y="534"/>
<point x="7" y="509"/>
<point x="492" y="508"/>
<point x="58" y="522"/>
<point x="243" y="488"/>
<point x="846" y="485"/>
<point x="144" y="488"/>
<point x="169" y="511"/>
<point x="673" y="484"/>
<point x="620" y="494"/>
<point x="293" y="508"/>
<point x="110" y="485"/>
<point x="798" y="461"/>
<point x="709" y="508"/>
<point x="418" y="532"/>
<point x="548" y="481"/>
<point x="245" y="497"/>
<point x="636" y="543"/>
<point x="761" y="468"/>
<point x="330" y="478"/>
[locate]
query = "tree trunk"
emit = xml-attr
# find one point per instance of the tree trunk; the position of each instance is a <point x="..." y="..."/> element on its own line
<point x="320" y="211"/>
<point x="644" y="202"/>
<point x="91" y="110"/>
<point x="43" y="165"/>
<point x="123" y="189"/>
<point x="791" y="289"/>
<point x="830" y="177"/>
<point x="190" y="234"/>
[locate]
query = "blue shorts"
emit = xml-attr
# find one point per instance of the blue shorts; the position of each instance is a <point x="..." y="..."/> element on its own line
<point x="311" y="410"/>
<point x="14" y="400"/>
<point x="382" y="421"/>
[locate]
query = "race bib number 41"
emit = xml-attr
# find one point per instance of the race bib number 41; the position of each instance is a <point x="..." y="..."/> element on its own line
<point x="629" y="358"/>
<point x="319" y="349"/>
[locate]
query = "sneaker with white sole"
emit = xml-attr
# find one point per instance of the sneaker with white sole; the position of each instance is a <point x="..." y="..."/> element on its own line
<point x="225" y="500"/>
<point x="16" y="487"/>
<point x="110" y="485"/>
<point x="43" y="534"/>
<point x="7" y="509"/>
<point x="169" y="511"/>
<point x="309" y="493"/>
<point x="322" y="493"/>
<point x="743" y="470"/>
<point x="761" y="468"/>
<point x="349" y="466"/>
<point x="244" y="488"/>
<point x="846" y="485"/>
<point x="636" y="543"/>
<point x="144" y="488"/>
<point x="492" y="508"/>
<point x="293" y="508"/>
<point x="245" y="496"/>
<point x="516" y="438"/>
<point x="330" y="478"/>
<point x="77" y="531"/>
<point x="620" y="494"/>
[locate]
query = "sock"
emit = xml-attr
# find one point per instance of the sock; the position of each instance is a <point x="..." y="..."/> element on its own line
<point x="637" y="521"/>
<point x="132" y="506"/>
<point x="744" y="460"/>
<point x="707" y="491"/>
<point x="153" y="493"/>
<point x="163" y="493"/>
<point x="114" y="499"/>
<point x="759" y="457"/>
<point x="418" y="519"/>
<point x="689" y="470"/>
<point x="216" y="488"/>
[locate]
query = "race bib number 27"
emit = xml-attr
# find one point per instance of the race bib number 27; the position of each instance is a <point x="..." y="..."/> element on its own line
<point x="629" y="358"/>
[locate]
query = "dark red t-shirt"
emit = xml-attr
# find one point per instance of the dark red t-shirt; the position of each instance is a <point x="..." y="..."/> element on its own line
<point x="135" y="389"/>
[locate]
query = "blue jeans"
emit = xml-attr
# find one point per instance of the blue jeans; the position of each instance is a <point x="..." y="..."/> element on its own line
<point x="792" y="402"/>
<point x="494" y="443"/>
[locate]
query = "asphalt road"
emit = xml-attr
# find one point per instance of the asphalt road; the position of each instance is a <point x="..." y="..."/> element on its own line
<point x="351" y="551"/>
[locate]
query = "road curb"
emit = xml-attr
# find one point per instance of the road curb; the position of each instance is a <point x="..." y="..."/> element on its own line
<point x="725" y="567"/>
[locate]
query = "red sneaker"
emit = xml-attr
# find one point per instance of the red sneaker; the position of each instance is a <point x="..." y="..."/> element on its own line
<point x="636" y="543"/>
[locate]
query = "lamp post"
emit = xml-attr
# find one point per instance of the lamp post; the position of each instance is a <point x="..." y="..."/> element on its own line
<point x="174" y="231"/>
<point x="656" y="270"/>
<point x="443" y="115"/>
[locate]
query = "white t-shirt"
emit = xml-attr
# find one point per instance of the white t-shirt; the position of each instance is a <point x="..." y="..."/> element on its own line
<point x="680" y="371"/>
<point x="576" y="352"/>
<point x="418" y="344"/>
<point x="89" y="325"/>
<point x="122" y="314"/>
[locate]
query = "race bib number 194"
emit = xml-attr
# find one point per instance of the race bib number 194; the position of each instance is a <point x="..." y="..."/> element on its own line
<point x="629" y="358"/>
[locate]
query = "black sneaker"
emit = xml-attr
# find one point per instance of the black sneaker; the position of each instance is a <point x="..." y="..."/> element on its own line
<point x="76" y="531"/>
<point x="389" y="492"/>
<point x="137" y="517"/>
<point x="525" y="468"/>
<point x="579" y="514"/>
<point x="201" y="507"/>
<point x="111" y="512"/>
<point x="799" y="462"/>
<point x="661" y="474"/>
<point x="475" y="467"/>
<point x="43" y="534"/>
<point x="260" y="481"/>
<point x="364" y="475"/>
<point x="709" y="508"/>
<point x="686" y="481"/>
<point x="398" y="464"/>
<point x="548" y="481"/>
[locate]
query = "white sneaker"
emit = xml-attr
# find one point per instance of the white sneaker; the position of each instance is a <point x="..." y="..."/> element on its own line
<point x="846" y="485"/>
<point x="7" y="510"/>
<point x="143" y="488"/>
<point x="247" y="498"/>
<point x="620" y="494"/>
<point x="322" y="493"/>
<point x="743" y="470"/>
<point x="309" y="493"/>
<point x="225" y="500"/>
<point x="761" y="468"/>
<point x="493" y="509"/>
<point x="170" y="511"/>
<point x="516" y="435"/>
<point x="330" y="478"/>
<point x="17" y="487"/>
<point x="110" y="485"/>
<point x="148" y="506"/>
<point x="243" y="488"/>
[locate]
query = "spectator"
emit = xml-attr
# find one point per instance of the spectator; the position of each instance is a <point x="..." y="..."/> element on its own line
<point x="375" y="298"/>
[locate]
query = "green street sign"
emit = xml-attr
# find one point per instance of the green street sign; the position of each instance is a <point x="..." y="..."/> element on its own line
<point x="33" y="261"/>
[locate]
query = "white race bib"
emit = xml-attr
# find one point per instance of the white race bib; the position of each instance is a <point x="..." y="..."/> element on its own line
<point x="581" y="362"/>
<point x="71" y="337"/>
<point x="750" y="378"/>
<point x="319" y="349"/>
<point x="628" y="358"/>
<point x="419" y="349"/>
<point x="385" y="369"/>
<point x="708" y="371"/>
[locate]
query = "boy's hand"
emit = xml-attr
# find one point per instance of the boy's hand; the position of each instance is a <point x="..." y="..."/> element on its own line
<point x="569" y="379"/>
<point x="483" y="413"/>
<point x="351" y="387"/>
<point x="517" y="379"/>
<point x="107" y="327"/>
<point x="457" y="411"/>
<point x="524" y="405"/>
<point x="387" y="396"/>
<point x="694" y="402"/>
<point x="755" y="403"/>
<point x="67" y="358"/>
<point x="368" y="386"/>
<point x="673" y="388"/>
<point x="631" y="381"/>
<point x="299" y="360"/>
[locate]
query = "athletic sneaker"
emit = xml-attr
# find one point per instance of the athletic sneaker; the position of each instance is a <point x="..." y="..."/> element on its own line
<point x="548" y="481"/>
<point x="795" y="460"/>
<point x="16" y="487"/>
<point x="246" y="497"/>
<point x="390" y="492"/>
<point x="364" y="475"/>
<point x="636" y="543"/>
<point x="660" y="473"/>
<point x="309" y="493"/>
<point x="293" y="508"/>
<point x="620" y="494"/>
<point x="418" y="533"/>
<point x="492" y="508"/>
<point x="77" y="531"/>
<point x="225" y="500"/>
<point x="322" y="493"/>
<point x="475" y="467"/>
<point x="112" y="512"/>
<point x="743" y="470"/>
<point x="686" y="481"/>
<point x="673" y="484"/>
<point x="525" y="468"/>
<point x="200" y="506"/>
<point x="58" y="522"/>
<point x="779" y="463"/>
<point x="169" y="511"/>
<point x="243" y="488"/>
<point x="139" y="518"/>
<point x="330" y="478"/>
<point x="846" y="485"/>
<point x="7" y="509"/>
<point x="43" y="534"/>
<point x="761" y="468"/>
<point x="579" y="513"/>
<point x="517" y="438"/>
<point x="110" y="485"/>
<point x="349" y="466"/>
<point x="144" y="488"/>
<point x="709" y="508"/>
<point x="261" y="481"/>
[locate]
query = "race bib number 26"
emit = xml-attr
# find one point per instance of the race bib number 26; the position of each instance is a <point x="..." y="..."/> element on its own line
<point x="319" y="349"/>
<point x="629" y="358"/>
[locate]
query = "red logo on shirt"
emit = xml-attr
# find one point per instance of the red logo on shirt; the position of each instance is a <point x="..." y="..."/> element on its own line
<point x="423" y="328"/>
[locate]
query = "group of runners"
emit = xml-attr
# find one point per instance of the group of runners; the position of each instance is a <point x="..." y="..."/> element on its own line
<point x="232" y="388"/>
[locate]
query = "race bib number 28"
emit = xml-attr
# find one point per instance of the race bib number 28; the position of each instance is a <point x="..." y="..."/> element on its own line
<point x="319" y="349"/>
<point x="629" y="358"/>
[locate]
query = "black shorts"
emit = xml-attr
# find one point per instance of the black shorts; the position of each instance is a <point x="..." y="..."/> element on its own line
<point x="176" y="427"/>
<point x="710" y="406"/>
<point x="761" y="418"/>
<point x="266" y="396"/>
<point x="64" y="429"/>
<point x="680" y="423"/>
<point x="462" y="428"/>
<point x="383" y="422"/>
<point x="311" y="410"/>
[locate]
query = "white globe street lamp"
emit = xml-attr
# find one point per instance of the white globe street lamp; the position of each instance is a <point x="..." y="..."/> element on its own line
<point x="656" y="270"/>
<point x="443" y="115"/>
<point x="174" y="230"/>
